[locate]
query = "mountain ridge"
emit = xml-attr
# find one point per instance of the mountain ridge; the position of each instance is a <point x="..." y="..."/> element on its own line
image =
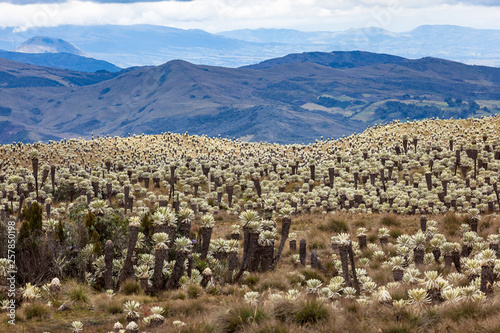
<point x="61" y="60"/>
<point x="291" y="102"/>
<point x="139" y="45"/>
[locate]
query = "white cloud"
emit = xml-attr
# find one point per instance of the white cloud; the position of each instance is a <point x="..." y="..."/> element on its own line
<point x="219" y="15"/>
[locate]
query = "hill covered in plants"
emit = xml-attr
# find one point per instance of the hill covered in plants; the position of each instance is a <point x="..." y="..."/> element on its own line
<point x="395" y="228"/>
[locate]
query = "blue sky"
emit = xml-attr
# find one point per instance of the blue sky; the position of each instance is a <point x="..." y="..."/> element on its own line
<point x="223" y="15"/>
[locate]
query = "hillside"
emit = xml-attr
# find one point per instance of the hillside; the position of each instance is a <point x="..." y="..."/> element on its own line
<point x="395" y="229"/>
<point x="61" y="60"/>
<point x="283" y="100"/>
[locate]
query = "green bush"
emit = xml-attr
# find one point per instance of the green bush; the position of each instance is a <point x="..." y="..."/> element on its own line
<point x="36" y="310"/>
<point x="311" y="311"/>
<point x="130" y="287"/>
<point x="239" y="316"/>
<point x="194" y="290"/>
<point x="312" y="274"/>
<point x="78" y="293"/>
<point x="303" y="312"/>
<point x="251" y="280"/>
<point x="390" y="221"/>
<point x="334" y="225"/>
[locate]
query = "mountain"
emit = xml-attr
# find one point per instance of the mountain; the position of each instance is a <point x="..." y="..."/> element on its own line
<point x="332" y="59"/>
<point x="40" y="44"/>
<point x="295" y="99"/>
<point x="61" y="60"/>
<point x="467" y="45"/>
<point x="140" y="45"/>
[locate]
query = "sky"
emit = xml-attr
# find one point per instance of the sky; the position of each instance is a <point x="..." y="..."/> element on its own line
<point x="224" y="15"/>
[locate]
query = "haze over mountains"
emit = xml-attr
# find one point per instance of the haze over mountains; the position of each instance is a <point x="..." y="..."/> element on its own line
<point x="139" y="45"/>
<point x="297" y="98"/>
<point x="58" y="53"/>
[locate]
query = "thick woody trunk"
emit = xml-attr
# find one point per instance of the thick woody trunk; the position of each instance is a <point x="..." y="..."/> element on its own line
<point x="254" y="252"/>
<point x="455" y="256"/>
<point x="108" y="260"/>
<point x="128" y="267"/>
<point x="160" y="256"/>
<point x="206" y="234"/>
<point x="397" y="274"/>
<point x="487" y="278"/>
<point x="285" y="229"/>
<point x="302" y="251"/>
<point x="344" y="259"/>
<point x="177" y="272"/>
<point x="418" y="256"/>
<point x="266" y="259"/>
<point x="362" y="242"/>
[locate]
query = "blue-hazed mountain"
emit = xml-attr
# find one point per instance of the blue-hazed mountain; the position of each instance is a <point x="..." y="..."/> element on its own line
<point x="295" y="99"/>
<point x="61" y="60"/>
<point x="44" y="44"/>
<point x="139" y="45"/>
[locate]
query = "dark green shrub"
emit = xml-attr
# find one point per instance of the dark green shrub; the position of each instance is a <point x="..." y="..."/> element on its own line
<point x="61" y="193"/>
<point x="194" y="290"/>
<point x="333" y="225"/>
<point x="312" y="274"/>
<point x="390" y="221"/>
<point x="451" y="224"/>
<point x="372" y="238"/>
<point x="303" y="312"/>
<point x="251" y="280"/>
<point x="311" y="311"/>
<point x="112" y="307"/>
<point x="146" y="226"/>
<point x="36" y="310"/>
<point x="130" y="287"/>
<point x="239" y="316"/>
<point x="78" y="293"/>
<point x="395" y="233"/>
<point x="33" y="214"/>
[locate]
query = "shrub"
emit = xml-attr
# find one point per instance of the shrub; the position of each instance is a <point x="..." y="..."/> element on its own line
<point x="306" y="311"/>
<point x="312" y="274"/>
<point x="185" y="308"/>
<point x="36" y="310"/>
<point x="273" y="283"/>
<point x="390" y="221"/>
<point x="238" y="316"/>
<point x="334" y="225"/>
<point x="78" y="293"/>
<point x="451" y="224"/>
<point x="395" y="233"/>
<point x="284" y="310"/>
<point x="311" y="311"/>
<point x="251" y="280"/>
<point x="372" y="238"/>
<point x="130" y="287"/>
<point x="113" y="307"/>
<point x="194" y="290"/>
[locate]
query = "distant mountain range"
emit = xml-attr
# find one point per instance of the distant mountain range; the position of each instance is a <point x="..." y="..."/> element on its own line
<point x="57" y="53"/>
<point x="61" y="60"/>
<point x="297" y="98"/>
<point x="142" y="45"/>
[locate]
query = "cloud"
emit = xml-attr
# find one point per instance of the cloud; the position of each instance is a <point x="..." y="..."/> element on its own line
<point x="28" y="2"/>
<point x="220" y="15"/>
